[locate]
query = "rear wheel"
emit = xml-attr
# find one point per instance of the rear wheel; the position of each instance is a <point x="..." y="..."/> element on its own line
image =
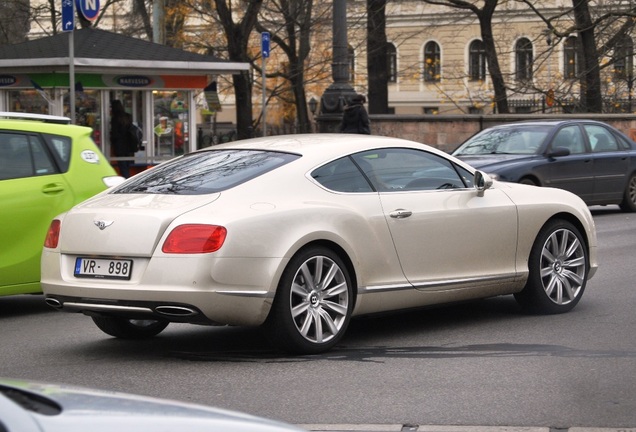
<point x="124" y="328"/>
<point x="629" y="198"/>
<point x="558" y="268"/>
<point x="313" y="303"/>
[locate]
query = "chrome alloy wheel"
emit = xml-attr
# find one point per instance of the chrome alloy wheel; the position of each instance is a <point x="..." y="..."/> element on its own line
<point x="319" y="299"/>
<point x="563" y="266"/>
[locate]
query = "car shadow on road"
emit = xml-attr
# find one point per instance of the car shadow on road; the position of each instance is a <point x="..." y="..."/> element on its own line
<point x="28" y="304"/>
<point x="377" y="333"/>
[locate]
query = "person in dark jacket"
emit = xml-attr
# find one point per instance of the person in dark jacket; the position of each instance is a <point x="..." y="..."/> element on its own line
<point x="355" y="118"/>
<point x="120" y="122"/>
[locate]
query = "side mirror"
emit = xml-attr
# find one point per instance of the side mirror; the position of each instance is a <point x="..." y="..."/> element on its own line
<point x="482" y="181"/>
<point x="559" y="151"/>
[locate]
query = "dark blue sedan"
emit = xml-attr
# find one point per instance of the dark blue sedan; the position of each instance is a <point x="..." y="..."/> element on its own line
<point x="589" y="158"/>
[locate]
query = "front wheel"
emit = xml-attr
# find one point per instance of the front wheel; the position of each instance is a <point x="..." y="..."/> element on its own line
<point x="313" y="303"/>
<point x="558" y="267"/>
<point x="125" y="328"/>
<point x="629" y="198"/>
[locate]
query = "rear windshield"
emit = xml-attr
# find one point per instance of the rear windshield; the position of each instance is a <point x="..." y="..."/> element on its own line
<point x="205" y="172"/>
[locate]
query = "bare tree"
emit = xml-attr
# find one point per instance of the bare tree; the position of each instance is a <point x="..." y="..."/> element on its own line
<point x="485" y="16"/>
<point x="237" y="34"/>
<point x="14" y="21"/>
<point x="289" y="23"/>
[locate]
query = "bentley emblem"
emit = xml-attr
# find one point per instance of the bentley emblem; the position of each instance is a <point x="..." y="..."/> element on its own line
<point x="102" y="224"/>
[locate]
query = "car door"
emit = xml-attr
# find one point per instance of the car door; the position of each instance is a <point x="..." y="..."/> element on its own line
<point x="611" y="163"/>
<point x="32" y="192"/>
<point x="443" y="229"/>
<point x="573" y="172"/>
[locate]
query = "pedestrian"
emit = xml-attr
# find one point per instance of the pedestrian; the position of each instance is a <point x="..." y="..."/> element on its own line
<point x="120" y="125"/>
<point x="355" y="118"/>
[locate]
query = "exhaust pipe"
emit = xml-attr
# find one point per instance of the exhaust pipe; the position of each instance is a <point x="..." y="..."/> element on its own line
<point x="176" y="311"/>
<point x="53" y="302"/>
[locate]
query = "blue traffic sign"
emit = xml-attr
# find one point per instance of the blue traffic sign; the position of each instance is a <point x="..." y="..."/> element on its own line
<point x="88" y="8"/>
<point x="265" y="44"/>
<point x="68" y="16"/>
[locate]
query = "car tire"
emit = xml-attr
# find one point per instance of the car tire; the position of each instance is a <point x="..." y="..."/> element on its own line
<point x="313" y="303"/>
<point x="629" y="198"/>
<point x="124" y="328"/>
<point x="558" y="268"/>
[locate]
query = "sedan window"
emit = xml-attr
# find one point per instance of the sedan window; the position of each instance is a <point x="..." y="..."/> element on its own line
<point x="206" y="172"/>
<point x="601" y="139"/>
<point x="571" y="138"/>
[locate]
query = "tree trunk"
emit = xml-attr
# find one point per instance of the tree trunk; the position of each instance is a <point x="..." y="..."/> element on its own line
<point x="377" y="64"/>
<point x="237" y="35"/>
<point x="498" y="83"/>
<point x="591" y="96"/>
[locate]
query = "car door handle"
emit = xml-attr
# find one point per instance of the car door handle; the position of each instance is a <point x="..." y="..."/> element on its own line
<point x="400" y="214"/>
<point x="53" y="188"/>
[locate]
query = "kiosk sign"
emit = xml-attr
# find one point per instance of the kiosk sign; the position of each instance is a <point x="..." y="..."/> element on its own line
<point x="88" y="8"/>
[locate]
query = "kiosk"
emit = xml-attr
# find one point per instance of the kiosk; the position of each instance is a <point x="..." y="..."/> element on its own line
<point x="157" y="85"/>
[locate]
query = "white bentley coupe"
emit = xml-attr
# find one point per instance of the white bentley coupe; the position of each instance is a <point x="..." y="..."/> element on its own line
<point x="299" y="233"/>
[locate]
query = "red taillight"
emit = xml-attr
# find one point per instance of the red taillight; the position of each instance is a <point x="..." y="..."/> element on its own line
<point x="53" y="235"/>
<point x="195" y="238"/>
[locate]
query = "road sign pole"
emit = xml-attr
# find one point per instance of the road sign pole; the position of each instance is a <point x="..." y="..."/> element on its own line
<point x="264" y="99"/>
<point x="264" y="55"/>
<point x="71" y="73"/>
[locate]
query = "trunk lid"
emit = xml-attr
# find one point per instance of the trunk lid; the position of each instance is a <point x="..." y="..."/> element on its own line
<point x="124" y="224"/>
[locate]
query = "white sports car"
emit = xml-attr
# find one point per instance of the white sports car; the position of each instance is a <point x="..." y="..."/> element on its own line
<point x="301" y="232"/>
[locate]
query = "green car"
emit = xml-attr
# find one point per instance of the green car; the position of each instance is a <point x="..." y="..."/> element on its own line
<point x="46" y="167"/>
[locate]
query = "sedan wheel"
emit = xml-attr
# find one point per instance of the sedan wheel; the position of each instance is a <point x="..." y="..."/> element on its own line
<point x="124" y="328"/>
<point x="313" y="303"/>
<point x="629" y="199"/>
<point x="558" y="268"/>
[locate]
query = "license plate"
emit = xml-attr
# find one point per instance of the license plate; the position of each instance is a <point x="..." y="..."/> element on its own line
<point x="103" y="268"/>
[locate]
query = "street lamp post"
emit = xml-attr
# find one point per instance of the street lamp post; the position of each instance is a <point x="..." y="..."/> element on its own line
<point x="334" y="98"/>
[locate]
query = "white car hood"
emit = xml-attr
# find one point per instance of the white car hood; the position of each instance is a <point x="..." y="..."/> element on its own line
<point x="131" y="224"/>
<point x="27" y="406"/>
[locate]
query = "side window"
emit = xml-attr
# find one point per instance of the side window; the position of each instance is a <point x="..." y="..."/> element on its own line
<point x="342" y="175"/>
<point x="601" y="140"/>
<point x="15" y="156"/>
<point x="399" y="169"/>
<point x="23" y="155"/>
<point x="571" y="138"/>
<point x="41" y="160"/>
<point x="61" y="148"/>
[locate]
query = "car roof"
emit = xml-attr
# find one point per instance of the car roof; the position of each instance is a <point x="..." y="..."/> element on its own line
<point x="548" y="122"/>
<point x="323" y="146"/>
<point x="43" y="127"/>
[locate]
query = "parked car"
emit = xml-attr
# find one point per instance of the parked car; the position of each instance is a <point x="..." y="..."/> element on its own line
<point x="28" y="406"/>
<point x="589" y="158"/>
<point x="300" y="233"/>
<point x="46" y="167"/>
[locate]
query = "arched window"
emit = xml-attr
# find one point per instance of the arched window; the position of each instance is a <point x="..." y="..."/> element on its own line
<point x="571" y="57"/>
<point x="624" y="58"/>
<point x="523" y="56"/>
<point x="391" y="58"/>
<point x="432" y="62"/>
<point x="477" y="61"/>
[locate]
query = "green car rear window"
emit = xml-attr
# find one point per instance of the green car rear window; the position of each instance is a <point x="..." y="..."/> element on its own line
<point x="205" y="172"/>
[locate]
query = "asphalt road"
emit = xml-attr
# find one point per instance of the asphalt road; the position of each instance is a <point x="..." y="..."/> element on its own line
<point x="476" y="366"/>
